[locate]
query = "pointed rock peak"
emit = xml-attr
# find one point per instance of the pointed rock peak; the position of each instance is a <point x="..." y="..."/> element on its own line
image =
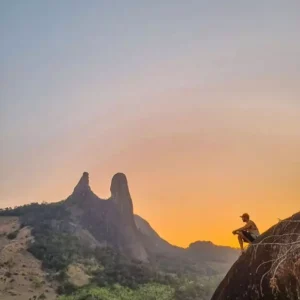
<point x="83" y="184"/>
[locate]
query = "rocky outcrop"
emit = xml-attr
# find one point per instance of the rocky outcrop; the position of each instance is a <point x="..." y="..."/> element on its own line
<point x="83" y="185"/>
<point x="121" y="198"/>
<point x="270" y="268"/>
<point x="120" y="194"/>
<point x="111" y="222"/>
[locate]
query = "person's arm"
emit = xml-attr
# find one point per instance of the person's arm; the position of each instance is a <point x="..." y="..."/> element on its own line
<point x="248" y="225"/>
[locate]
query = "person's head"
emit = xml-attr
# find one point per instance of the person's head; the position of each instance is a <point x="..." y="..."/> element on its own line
<point x="245" y="217"/>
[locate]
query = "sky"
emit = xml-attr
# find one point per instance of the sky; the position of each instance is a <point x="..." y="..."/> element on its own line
<point x="197" y="102"/>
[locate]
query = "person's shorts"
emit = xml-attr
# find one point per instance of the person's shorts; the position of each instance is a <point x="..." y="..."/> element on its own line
<point x="248" y="236"/>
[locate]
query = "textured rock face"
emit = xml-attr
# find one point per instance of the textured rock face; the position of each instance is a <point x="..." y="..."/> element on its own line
<point x="270" y="269"/>
<point x="120" y="195"/>
<point x="111" y="221"/>
<point x="121" y="198"/>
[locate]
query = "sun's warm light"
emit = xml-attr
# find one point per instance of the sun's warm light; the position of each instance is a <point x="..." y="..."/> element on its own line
<point x="197" y="104"/>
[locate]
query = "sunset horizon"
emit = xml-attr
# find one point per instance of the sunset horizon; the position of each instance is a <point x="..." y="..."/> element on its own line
<point x="168" y="229"/>
<point x="197" y="103"/>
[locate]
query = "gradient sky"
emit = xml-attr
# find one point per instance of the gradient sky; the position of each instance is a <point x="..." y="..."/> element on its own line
<point x="198" y="102"/>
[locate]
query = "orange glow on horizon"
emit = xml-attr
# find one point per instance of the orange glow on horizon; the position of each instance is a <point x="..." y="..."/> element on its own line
<point x="192" y="170"/>
<point x="197" y="102"/>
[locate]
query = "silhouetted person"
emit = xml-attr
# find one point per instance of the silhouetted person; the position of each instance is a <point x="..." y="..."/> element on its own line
<point x="247" y="233"/>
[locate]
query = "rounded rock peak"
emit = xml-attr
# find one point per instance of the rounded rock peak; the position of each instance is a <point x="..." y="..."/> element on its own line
<point x="119" y="184"/>
<point x="120" y="194"/>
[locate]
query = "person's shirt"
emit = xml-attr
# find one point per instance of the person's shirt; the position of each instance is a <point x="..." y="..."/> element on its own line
<point x="253" y="228"/>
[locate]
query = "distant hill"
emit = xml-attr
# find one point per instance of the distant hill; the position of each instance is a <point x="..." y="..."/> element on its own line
<point x="207" y="251"/>
<point x="270" y="268"/>
<point x="86" y="241"/>
<point x="200" y="256"/>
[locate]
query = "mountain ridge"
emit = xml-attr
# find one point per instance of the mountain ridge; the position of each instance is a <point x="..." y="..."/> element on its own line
<point x="104" y="242"/>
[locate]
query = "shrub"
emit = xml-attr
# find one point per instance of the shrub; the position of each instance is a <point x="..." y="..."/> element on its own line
<point x="13" y="235"/>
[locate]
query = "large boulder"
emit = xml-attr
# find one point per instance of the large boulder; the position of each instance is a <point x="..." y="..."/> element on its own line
<point x="270" y="268"/>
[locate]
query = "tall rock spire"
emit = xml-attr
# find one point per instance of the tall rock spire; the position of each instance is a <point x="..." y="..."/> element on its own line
<point x="120" y="196"/>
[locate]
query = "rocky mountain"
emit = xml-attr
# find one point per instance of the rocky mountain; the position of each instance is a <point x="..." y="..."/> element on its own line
<point x="111" y="222"/>
<point x="207" y="251"/>
<point x="88" y="240"/>
<point x="204" y="256"/>
<point x="270" y="268"/>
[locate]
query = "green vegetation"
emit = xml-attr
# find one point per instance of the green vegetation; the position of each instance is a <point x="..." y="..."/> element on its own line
<point x="113" y="276"/>
<point x="54" y="245"/>
<point x="150" y="291"/>
<point x="13" y="235"/>
<point x="118" y="269"/>
<point x="56" y="250"/>
<point x="118" y="292"/>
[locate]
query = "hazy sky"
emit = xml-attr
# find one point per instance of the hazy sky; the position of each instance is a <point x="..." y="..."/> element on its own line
<point x="198" y="102"/>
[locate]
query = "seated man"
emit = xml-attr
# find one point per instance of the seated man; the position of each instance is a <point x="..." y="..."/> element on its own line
<point x="247" y="233"/>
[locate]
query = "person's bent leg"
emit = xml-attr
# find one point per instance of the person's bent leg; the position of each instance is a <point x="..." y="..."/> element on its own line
<point x="243" y="238"/>
<point x="241" y="241"/>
